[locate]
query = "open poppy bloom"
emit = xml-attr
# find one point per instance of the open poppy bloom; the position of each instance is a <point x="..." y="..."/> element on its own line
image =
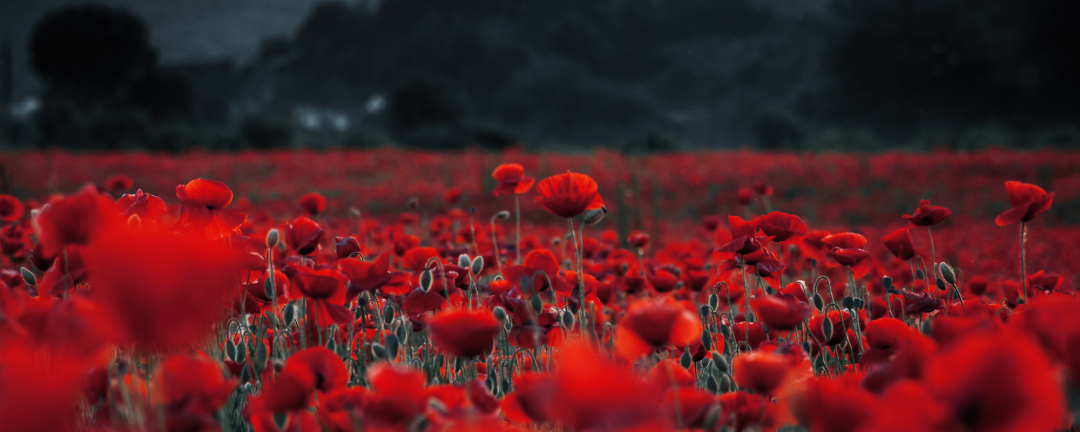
<point x="398" y="395"/>
<point x="203" y="204"/>
<point x="568" y="195"/>
<point x="327" y="290"/>
<point x="654" y="323"/>
<point x="512" y="180"/>
<point x="303" y="235"/>
<point x="780" y="311"/>
<point x="74" y="220"/>
<point x="192" y="390"/>
<point x="365" y="276"/>
<point x="1027" y="201"/>
<point x="743" y="411"/>
<point x="927" y="215"/>
<point x="143" y="205"/>
<point x="899" y="244"/>
<point x="10" y="208"/>
<point x="313" y="203"/>
<point x="1045" y="281"/>
<point x="744" y="239"/>
<point x="464" y="333"/>
<point x="781" y="226"/>
<point x="762" y="372"/>
<point x="537" y="262"/>
<point x="328" y="369"/>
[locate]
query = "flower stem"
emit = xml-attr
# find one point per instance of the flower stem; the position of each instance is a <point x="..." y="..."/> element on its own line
<point x="517" y="245"/>
<point x="933" y="260"/>
<point x="1023" y="261"/>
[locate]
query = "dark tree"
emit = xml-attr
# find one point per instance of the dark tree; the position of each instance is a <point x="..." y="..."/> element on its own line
<point x="91" y="50"/>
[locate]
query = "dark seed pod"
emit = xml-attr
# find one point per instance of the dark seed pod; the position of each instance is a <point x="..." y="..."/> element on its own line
<point x="720" y="363"/>
<point x="464" y="261"/>
<point x="826" y="328"/>
<point x="685" y="360"/>
<point x="705" y="311"/>
<point x="500" y="313"/>
<point x="387" y="314"/>
<point x="926" y="328"/>
<point x="947" y="273"/>
<point x="280" y="419"/>
<point x="272" y="238"/>
<point x="819" y="303"/>
<point x="378" y="351"/>
<point x="537" y="305"/>
<point x="714" y="301"/>
<point x="477" y="265"/>
<point x="28" y="276"/>
<point x="392" y="345"/>
<point x="289" y="314"/>
<point x="426" y="280"/>
<point x="230" y="349"/>
<point x="712" y="386"/>
<point x="940" y="284"/>
<point x="886" y="282"/>
<point x="260" y="355"/>
<point x="712" y="418"/>
<point x="593" y="217"/>
<point x="847" y="303"/>
<point x="858" y="303"/>
<point x="241" y="353"/>
<point x="706" y="340"/>
<point x="725" y="384"/>
<point x="400" y="331"/>
<point x="269" y="288"/>
<point x="920" y="275"/>
<point x="806" y="347"/>
<point x="725" y="330"/>
<point x="503" y="215"/>
<point x="567" y="320"/>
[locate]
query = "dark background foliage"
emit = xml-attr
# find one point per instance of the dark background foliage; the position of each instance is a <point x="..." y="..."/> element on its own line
<point x="641" y="75"/>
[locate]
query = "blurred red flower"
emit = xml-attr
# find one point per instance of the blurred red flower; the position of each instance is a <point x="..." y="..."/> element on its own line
<point x="464" y="333"/>
<point x="143" y="205"/>
<point x="512" y="180"/>
<point x="927" y="215"/>
<point x="74" y="220"/>
<point x="203" y="205"/>
<point x="313" y="203"/>
<point x="10" y="208"/>
<point x="899" y="243"/>
<point x="1027" y="201"/>
<point x="191" y="391"/>
<point x="303" y="235"/>
<point x="654" y="323"/>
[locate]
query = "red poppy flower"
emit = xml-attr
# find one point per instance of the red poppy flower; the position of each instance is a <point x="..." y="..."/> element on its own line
<point x="780" y="311"/>
<point x="303" y="235"/>
<point x="597" y="393"/>
<point x="840" y="321"/>
<point x="921" y="303"/>
<point x="293" y="389"/>
<point x="202" y="204"/>
<point x="763" y="188"/>
<point x="638" y="239"/>
<point x="760" y="371"/>
<point x="1045" y="281"/>
<point x="540" y="260"/>
<point x="464" y="333"/>
<point x="345" y="247"/>
<point x="512" y="180"/>
<point x="832" y="405"/>
<point x="753" y="334"/>
<point x="849" y="257"/>
<point x="927" y="215"/>
<point x="39" y="389"/>
<point x="744" y="239"/>
<point x="313" y="203"/>
<point x="1027" y="201"/>
<point x="416" y="259"/>
<point x="742" y="411"/>
<point x="144" y="205"/>
<point x="365" y="276"/>
<point x="398" y="395"/>
<point x="327" y="288"/>
<point x="74" y="220"/>
<point x="568" y="195"/>
<point x="326" y="366"/>
<point x="781" y="226"/>
<point x="899" y="243"/>
<point x="191" y="390"/>
<point x="970" y="378"/>
<point x="848" y="240"/>
<point x="654" y="323"/>
<point x="165" y="291"/>
<point x="10" y="208"/>
<point x="744" y="197"/>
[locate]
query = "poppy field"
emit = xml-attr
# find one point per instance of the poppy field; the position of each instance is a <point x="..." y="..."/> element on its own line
<point x="394" y="290"/>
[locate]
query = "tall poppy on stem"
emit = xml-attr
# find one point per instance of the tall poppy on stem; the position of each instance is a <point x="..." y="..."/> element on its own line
<point x="847" y="251"/>
<point x="899" y="244"/>
<point x="781" y="227"/>
<point x="927" y="215"/>
<point x="745" y="241"/>
<point x="1027" y="201"/>
<point x="512" y="180"/>
<point x="569" y="195"/>
<point x="203" y="205"/>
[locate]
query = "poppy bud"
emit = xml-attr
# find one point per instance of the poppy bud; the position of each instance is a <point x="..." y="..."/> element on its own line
<point x="463" y="261"/>
<point x="555" y="242"/>
<point x="940" y="284"/>
<point x="947" y="273"/>
<point x="387" y="314"/>
<point x="858" y="303"/>
<point x="230" y="349"/>
<point x="272" y="238"/>
<point x="261" y="354"/>
<point x="593" y="217"/>
<point x="503" y="215"/>
<point x="500" y="313"/>
<point x="720" y="363"/>
<point x="400" y="331"/>
<point x="818" y="302"/>
<point x="289" y="314"/>
<point x="847" y="303"/>
<point x="806" y="346"/>
<point x="331" y="345"/>
<point x="826" y="329"/>
<point x="134" y="221"/>
<point x="392" y="346"/>
<point x="919" y="275"/>
<point x="268" y="287"/>
<point x="425" y="280"/>
<point x="712" y="418"/>
<point x="28" y="276"/>
<point x="725" y="384"/>
<point x="714" y="301"/>
<point x="926" y="329"/>
<point x="355" y="212"/>
<point x="706" y="340"/>
<point x="712" y="386"/>
<point x="886" y="282"/>
<point x="567" y="320"/>
<point x="378" y="351"/>
<point x="537" y="305"/>
<point x="685" y="360"/>
<point x="477" y="265"/>
<point x="280" y="419"/>
<point x="724" y="330"/>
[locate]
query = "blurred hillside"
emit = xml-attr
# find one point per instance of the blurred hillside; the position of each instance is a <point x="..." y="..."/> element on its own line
<point x="634" y="74"/>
